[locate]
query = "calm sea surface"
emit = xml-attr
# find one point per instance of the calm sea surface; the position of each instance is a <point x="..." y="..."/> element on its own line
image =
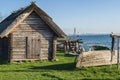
<point x="97" y="39"/>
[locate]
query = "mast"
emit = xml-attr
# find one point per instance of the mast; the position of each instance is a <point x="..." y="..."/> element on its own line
<point x="74" y="33"/>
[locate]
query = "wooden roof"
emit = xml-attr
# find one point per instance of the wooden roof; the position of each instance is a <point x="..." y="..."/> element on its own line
<point x="13" y="20"/>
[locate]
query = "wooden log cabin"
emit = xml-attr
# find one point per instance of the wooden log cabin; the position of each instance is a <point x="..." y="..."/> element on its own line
<point x="29" y="34"/>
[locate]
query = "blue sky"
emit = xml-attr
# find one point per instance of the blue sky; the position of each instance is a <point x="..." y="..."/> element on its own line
<point x="87" y="16"/>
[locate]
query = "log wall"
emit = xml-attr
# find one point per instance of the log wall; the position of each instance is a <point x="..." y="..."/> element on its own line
<point x="32" y="39"/>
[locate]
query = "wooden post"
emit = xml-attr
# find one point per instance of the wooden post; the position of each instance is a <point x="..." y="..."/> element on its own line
<point x="75" y="46"/>
<point x="112" y="50"/>
<point x="26" y="47"/>
<point x="54" y="48"/>
<point x="11" y="46"/>
<point x="69" y="46"/>
<point x="118" y="54"/>
<point x="65" y="46"/>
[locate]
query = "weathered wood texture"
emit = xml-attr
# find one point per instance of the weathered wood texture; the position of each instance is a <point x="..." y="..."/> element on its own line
<point x="54" y="49"/>
<point x="96" y="58"/>
<point x="32" y="39"/>
<point x="16" y="22"/>
<point x="28" y="34"/>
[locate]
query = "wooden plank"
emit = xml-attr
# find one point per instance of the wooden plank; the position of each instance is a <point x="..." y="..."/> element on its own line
<point x="33" y="21"/>
<point x="24" y="59"/>
<point x="11" y="45"/>
<point x="22" y="25"/>
<point x="45" y="46"/>
<point x="44" y="52"/>
<point x="19" y="46"/>
<point x="33" y="17"/>
<point x="54" y="48"/>
<point x="18" y="39"/>
<point x="18" y="52"/>
<point x="17" y="49"/>
<point x="32" y="48"/>
<point x="39" y="47"/>
<point x="16" y="23"/>
<point x="18" y="56"/>
<point x="26" y="46"/>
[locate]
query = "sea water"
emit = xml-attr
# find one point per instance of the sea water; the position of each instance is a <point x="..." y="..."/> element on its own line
<point x="90" y="40"/>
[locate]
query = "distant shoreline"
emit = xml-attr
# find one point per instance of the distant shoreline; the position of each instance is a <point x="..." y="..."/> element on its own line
<point x="93" y="39"/>
<point x="86" y="34"/>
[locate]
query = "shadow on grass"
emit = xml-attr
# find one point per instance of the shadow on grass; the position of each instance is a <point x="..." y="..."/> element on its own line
<point x="58" y="67"/>
<point x="52" y="76"/>
<point x="67" y="66"/>
<point x="68" y="55"/>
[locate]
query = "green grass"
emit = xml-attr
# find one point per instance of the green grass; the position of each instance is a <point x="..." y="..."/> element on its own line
<point x="64" y="69"/>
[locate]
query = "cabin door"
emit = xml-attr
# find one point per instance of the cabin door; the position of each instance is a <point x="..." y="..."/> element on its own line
<point x="33" y="45"/>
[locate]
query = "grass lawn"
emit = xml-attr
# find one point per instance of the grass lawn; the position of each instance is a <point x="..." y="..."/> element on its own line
<point x="64" y="69"/>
